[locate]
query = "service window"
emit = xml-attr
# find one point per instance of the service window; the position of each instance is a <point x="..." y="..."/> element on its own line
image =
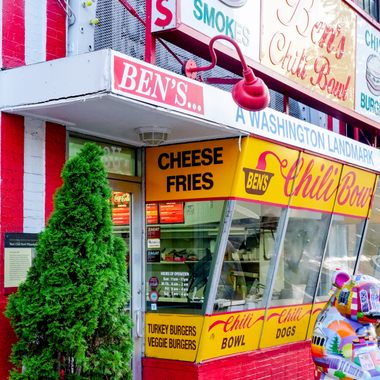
<point x="180" y="247"/>
<point x="248" y="254"/>
<point x="370" y="257"/>
<point x="300" y="259"/>
<point x="342" y="250"/>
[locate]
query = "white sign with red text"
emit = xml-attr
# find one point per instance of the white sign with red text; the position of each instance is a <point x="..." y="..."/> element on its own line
<point x="164" y="15"/>
<point x="145" y="82"/>
<point x="237" y="19"/>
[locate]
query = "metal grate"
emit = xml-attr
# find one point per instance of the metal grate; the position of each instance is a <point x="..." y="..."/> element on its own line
<point x="118" y="29"/>
<point x="122" y="32"/>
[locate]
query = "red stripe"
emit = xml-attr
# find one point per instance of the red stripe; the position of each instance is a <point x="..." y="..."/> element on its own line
<point x="12" y="180"/>
<point x="55" y="156"/>
<point x="330" y="125"/>
<point x="56" y="31"/>
<point x="12" y="173"/>
<point x="11" y="220"/>
<point x="13" y="43"/>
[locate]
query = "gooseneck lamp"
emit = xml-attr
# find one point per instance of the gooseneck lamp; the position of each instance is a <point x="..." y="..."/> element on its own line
<point x="250" y="93"/>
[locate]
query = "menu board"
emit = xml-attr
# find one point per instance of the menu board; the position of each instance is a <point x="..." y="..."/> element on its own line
<point x="170" y="213"/>
<point x="151" y="213"/>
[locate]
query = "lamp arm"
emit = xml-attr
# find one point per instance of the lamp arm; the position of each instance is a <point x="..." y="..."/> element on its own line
<point x="214" y="57"/>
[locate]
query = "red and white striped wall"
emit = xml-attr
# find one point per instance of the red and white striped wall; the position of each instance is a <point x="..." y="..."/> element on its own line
<point x="32" y="152"/>
<point x="31" y="31"/>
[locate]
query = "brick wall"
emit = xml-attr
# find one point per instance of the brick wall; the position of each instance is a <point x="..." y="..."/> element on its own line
<point x="11" y="211"/>
<point x="287" y="362"/>
<point x="55" y="153"/>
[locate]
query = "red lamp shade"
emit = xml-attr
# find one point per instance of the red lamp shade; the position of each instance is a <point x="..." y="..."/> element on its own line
<point x="251" y="93"/>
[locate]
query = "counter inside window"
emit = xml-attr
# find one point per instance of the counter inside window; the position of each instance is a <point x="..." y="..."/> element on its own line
<point x="180" y="249"/>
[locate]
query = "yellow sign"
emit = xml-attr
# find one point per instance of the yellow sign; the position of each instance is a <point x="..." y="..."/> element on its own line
<point x="226" y="334"/>
<point x="169" y="336"/>
<point x="266" y="172"/>
<point x="260" y="171"/>
<point x="316" y="183"/>
<point x="312" y="43"/>
<point x="355" y="192"/>
<point x="285" y="325"/>
<point x="191" y="171"/>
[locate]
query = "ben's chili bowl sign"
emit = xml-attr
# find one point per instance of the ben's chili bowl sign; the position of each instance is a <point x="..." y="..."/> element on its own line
<point x="140" y="80"/>
<point x="311" y="182"/>
<point x="226" y="334"/>
<point x="313" y="44"/>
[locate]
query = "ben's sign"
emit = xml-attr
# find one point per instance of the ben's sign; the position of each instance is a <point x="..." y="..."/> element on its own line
<point x="257" y="170"/>
<point x="140" y="80"/>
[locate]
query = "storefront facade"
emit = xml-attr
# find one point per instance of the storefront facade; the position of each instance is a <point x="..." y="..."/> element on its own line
<point x="235" y="223"/>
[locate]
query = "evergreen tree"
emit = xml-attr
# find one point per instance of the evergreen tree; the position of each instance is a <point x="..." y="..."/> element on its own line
<point x="70" y="313"/>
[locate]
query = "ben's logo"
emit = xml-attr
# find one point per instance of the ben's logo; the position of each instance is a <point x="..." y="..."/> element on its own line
<point x="257" y="180"/>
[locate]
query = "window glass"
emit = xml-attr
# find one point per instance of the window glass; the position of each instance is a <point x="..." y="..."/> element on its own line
<point x="180" y="247"/>
<point x="342" y="249"/>
<point x="117" y="159"/>
<point x="299" y="263"/>
<point x="247" y="258"/>
<point x="370" y="257"/>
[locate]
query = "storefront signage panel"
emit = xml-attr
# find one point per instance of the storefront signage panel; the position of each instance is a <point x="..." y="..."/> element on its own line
<point x="278" y="126"/>
<point x="312" y="43"/>
<point x="191" y="171"/>
<point x="355" y="192"/>
<point x="285" y="325"/>
<point x="271" y="173"/>
<point x="169" y="336"/>
<point x="367" y="98"/>
<point x="207" y="18"/>
<point x="144" y="82"/>
<point x="316" y="183"/>
<point x="135" y="78"/>
<point x="226" y="334"/>
<point x="263" y="172"/>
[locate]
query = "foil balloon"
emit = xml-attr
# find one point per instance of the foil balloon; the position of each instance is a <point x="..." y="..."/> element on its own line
<point x="344" y="343"/>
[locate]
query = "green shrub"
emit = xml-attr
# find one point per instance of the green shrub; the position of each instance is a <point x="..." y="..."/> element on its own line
<point x="70" y="313"/>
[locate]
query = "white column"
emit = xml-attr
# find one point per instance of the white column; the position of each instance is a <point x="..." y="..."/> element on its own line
<point x="34" y="176"/>
<point x="35" y="31"/>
